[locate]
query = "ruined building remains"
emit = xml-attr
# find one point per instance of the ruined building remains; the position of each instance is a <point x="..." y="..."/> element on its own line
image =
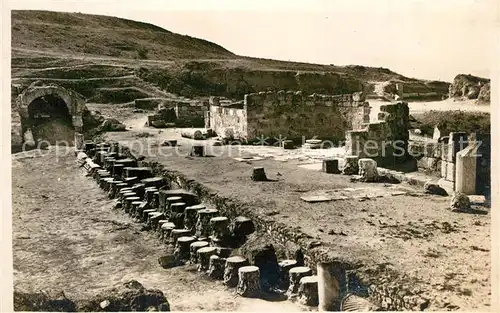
<point x="385" y="141"/>
<point x="291" y="115"/>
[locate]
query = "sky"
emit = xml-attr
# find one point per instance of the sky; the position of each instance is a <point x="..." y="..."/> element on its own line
<point x="427" y="39"/>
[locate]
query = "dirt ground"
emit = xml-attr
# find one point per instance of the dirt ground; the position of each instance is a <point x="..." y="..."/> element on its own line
<point x="448" y="253"/>
<point x="66" y="236"/>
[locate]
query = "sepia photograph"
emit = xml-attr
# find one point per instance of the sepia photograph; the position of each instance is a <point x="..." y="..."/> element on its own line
<point x="250" y="156"/>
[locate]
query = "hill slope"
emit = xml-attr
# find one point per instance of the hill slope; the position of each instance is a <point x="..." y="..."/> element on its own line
<point x="105" y="35"/>
<point x="176" y="63"/>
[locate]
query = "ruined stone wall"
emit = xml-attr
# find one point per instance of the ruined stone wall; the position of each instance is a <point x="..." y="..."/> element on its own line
<point x="294" y="115"/>
<point x="225" y="120"/>
<point x="190" y="113"/>
<point x="386" y="140"/>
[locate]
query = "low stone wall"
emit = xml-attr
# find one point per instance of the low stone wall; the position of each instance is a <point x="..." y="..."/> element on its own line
<point x="150" y="103"/>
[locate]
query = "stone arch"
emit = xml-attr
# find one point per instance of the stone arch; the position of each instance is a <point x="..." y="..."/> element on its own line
<point x="43" y="109"/>
<point x="75" y="104"/>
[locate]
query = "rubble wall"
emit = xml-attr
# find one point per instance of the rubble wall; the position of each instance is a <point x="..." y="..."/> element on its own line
<point x="386" y="140"/>
<point x="222" y="118"/>
<point x="190" y="113"/>
<point x="294" y="115"/>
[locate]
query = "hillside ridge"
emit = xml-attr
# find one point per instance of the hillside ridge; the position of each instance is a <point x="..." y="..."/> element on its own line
<point x="181" y="64"/>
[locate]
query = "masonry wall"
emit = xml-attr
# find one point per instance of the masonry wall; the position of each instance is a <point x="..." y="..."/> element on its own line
<point x="224" y="120"/>
<point x="294" y="115"/>
<point x="386" y="140"/>
<point x="190" y="113"/>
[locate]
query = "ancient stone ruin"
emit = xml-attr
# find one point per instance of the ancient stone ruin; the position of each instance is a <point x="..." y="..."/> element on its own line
<point x="40" y="106"/>
<point x="288" y="114"/>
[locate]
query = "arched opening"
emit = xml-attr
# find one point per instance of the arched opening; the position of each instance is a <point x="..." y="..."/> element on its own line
<point x="49" y="119"/>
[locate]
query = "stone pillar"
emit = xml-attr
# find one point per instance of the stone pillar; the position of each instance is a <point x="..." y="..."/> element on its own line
<point x="355" y="141"/>
<point x="399" y="90"/>
<point x="466" y="171"/>
<point x="329" y="290"/>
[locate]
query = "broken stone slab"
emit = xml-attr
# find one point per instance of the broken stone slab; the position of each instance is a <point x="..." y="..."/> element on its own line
<point x="434" y="189"/>
<point x="258" y="174"/>
<point x="316" y="198"/>
<point x="368" y="170"/>
<point x="350" y="165"/>
<point x="168" y="261"/>
<point x="197" y="151"/>
<point x="331" y="166"/>
<point x="169" y="143"/>
<point x="447" y="185"/>
<point x="248" y="282"/>
<point x="460" y="202"/>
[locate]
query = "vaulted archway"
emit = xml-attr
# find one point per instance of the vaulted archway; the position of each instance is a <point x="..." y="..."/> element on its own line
<point x="50" y="113"/>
